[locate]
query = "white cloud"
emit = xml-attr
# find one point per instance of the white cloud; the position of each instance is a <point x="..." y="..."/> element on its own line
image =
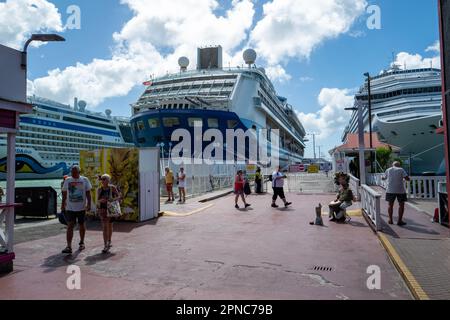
<point x="20" y="18"/>
<point x="435" y="47"/>
<point x="330" y="121"/>
<point x="294" y="28"/>
<point x="407" y="60"/>
<point x="151" y="43"/>
<point x="278" y="74"/>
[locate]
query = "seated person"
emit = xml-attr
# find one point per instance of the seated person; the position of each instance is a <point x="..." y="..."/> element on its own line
<point x="343" y="200"/>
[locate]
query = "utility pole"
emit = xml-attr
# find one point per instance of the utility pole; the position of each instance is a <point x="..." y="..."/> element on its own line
<point x="369" y="89"/>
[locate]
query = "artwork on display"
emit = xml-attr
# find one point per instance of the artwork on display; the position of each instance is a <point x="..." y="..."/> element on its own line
<point x="123" y="166"/>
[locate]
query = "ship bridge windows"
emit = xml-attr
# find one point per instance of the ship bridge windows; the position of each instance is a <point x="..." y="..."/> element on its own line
<point x="232" y="124"/>
<point x="154" y="123"/>
<point x="170" y="122"/>
<point x="213" y="123"/>
<point x="140" y="125"/>
<point x="195" y="121"/>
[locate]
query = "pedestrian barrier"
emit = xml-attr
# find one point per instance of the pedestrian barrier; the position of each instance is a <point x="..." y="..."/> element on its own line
<point x="417" y="188"/>
<point x="355" y="185"/>
<point x="371" y="201"/>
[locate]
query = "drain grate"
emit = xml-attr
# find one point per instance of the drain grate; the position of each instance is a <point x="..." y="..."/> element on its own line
<point x="322" y="268"/>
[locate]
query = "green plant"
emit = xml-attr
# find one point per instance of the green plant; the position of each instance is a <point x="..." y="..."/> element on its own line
<point x="384" y="157"/>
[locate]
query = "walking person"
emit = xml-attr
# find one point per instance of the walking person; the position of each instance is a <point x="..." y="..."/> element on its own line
<point x="169" y="184"/>
<point x="106" y="193"/>
<point x="2" y="194"/>
<point x="181" y="181"/>
<point x="395" y="177"/>
<point x="239" y="183"/>
<point x="278" y="188"/>
<point x="258" y="181"/>
<point x="76" y="201"/>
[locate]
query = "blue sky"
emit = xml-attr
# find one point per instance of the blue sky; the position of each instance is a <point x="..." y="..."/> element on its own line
<point x="335" y="62"/>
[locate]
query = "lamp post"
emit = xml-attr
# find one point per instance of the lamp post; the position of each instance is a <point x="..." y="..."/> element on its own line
<point x="313" y="134"/>
<point x="369" y="89"/>
<point x="38" y="37"/>
<point x="362" y="151"/>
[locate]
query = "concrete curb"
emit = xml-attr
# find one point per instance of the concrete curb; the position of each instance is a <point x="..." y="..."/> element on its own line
<point x="174" y="214"/>
<point x="224" y="194"/>
<point x="414" y="286"/>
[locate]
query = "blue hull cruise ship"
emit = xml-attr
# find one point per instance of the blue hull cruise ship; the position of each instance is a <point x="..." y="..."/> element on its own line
<point x="220" y="98"/>
<point x="51" y="138"/>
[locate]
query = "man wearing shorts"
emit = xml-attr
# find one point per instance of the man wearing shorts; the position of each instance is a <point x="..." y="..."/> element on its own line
<point x="278" y="188"/>
<point x="395" y="177"/>
<point x="76" y="201"/>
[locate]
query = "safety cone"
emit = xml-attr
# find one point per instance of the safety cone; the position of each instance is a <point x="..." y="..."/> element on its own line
<point x="436" y="215"/>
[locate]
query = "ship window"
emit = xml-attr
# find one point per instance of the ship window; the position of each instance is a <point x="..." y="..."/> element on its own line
<point x="186" y="106"/>
<point x="213" y="123"/>
<point x="175" y="106"/>
<point x="192" y="121"/>
<point x="171" y="122"/>
<point x="141" y="125"/>
<point x="232" y="124"/>
<point x="153" y="123"/>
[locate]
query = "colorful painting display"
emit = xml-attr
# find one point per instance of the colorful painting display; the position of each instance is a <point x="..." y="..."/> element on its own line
<point x="123" y="167"/>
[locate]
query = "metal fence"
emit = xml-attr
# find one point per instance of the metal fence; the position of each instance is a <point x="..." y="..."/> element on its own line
<point x="417" y="188"/>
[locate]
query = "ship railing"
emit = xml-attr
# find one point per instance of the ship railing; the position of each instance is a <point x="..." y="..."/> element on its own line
<point x="419" y="187"/>
<point x="371" y="205"/>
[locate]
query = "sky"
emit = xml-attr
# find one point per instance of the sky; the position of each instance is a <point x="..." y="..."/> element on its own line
<point x="314" y="51"/>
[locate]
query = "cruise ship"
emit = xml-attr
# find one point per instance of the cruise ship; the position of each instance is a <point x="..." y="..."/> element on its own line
<point x="50" y="139"/>
<point x="406" y="111"/>
<point x="220" y="98"/>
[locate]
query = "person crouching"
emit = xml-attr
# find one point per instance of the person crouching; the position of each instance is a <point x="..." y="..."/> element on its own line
<point x="343" y="200"/>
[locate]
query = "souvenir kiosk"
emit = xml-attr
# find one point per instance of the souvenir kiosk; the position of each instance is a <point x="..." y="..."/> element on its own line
<point x="12" y="104"/>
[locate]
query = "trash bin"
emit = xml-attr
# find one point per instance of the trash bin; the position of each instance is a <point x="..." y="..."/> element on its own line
<point x="36" y="201"/>
<point x="443" y="204"/>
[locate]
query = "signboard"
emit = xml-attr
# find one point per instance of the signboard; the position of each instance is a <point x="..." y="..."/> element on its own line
<point x="251" y="171"/>
<point x="295" y="168"/>
<point x="313" y="169"/>
<point x="13" y="85"/>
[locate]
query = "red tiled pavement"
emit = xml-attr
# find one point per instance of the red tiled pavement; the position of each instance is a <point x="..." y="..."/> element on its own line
<point x="219" y="253"/>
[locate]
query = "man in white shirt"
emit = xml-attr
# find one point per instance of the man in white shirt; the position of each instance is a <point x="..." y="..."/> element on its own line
<point x="395" y="177"/>
<point x="278" y="185"/>
<point x="76" y="201"/>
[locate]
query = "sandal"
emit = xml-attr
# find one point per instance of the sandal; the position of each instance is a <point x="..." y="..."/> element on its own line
<point x="105" y="249"/>
<point x="67" y="250"/>
<point x="81" y="246"/>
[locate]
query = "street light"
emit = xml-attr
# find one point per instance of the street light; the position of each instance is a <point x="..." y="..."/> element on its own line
<point x="38" y="37"/>
<point x="362" y="151"/>
<point x="313" y="134"/>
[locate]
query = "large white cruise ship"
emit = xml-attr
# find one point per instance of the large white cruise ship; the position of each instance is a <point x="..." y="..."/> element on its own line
<point x="221" y="98"/>
<point x="50" y="139"/>
<point x="406" y="111"/>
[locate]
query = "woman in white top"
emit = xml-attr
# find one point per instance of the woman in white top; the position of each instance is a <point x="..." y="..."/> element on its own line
<point x="182" y="185"/>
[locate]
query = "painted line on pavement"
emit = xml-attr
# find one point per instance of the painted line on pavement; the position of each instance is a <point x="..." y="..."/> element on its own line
<point x="175" y="214"/>
<point x="411" y="282"/>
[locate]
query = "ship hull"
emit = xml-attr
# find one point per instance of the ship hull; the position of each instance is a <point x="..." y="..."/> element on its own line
<point x="146" y="136"/>
<point x="30" y="166"/>
<point x="418" y="141"/>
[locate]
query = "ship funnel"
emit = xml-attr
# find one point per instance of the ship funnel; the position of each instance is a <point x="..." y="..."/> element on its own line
<point x="209" y="58"/>
<point x="82" y="105"/>
<point x="75" y="104"/>
<point x="183" y="62"/>
<point x="108" y="113"/>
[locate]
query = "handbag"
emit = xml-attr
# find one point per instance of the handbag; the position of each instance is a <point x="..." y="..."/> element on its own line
<point x="113" y="207"/>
